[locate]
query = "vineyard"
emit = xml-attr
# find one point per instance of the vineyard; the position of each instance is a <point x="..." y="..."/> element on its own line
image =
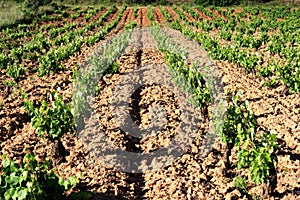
<point x="246" y="60"/>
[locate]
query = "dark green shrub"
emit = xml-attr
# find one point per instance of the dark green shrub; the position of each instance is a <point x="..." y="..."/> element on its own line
<point x="32" y="6"/>
<point x="55" y="121"/>
<point x="31" y="180"/>
<point x="217" y="2"/>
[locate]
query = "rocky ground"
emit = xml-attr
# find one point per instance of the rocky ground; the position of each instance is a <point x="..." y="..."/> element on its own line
<point x="191" y="176"/>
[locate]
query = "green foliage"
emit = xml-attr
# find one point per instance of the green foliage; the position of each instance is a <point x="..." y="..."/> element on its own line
<point x="226" y="35"/>
<point x="76" y="8"/>
<point x="217" y="2"/>
<point x="15" y="71"/>
<point x="31" y="180"/>
<point x="188" y="78"/>
<point x="286" y="72"/>
<point x="56" y="120"/>
<point x="86" y="80"/>
<point x="180" y="13"/>
<point x="9" y="83"/>
<point x="130" y="25"/>
<point x="239" y="123"/>
<point x="166" y="14"/>
<point x="150" y="13"/>
<point x="33" y="5"/>
<point x="255" y="152"/>
<point x="135" y="11"/>
<point x="188" y="9"/>
<point x="240" y="183"/>
<point x="51" y="61"/>
<point x="111" y="69"/>
<point x="264" y="158"/>
<point x="4" y="60"/>
<point x="89" y="14"/>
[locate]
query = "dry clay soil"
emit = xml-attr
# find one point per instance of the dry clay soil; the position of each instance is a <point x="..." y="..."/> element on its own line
<point x="190" y="176"/>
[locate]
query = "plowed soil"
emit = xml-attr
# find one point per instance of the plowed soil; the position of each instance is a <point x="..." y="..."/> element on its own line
<point x="123" y="20"/>
<point x="173" y="14"/>
<point x="217" y="14"/>
<point x="142" y="18"/>
<point x="188" y="16"/>
<point x="158" y="16"/>
<point x="190" y="176"/>
<point x="130" y="15"/>
<point x="203" y="16"/>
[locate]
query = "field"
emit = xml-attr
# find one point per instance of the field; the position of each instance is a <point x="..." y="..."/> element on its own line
<point x="254" y="51"/>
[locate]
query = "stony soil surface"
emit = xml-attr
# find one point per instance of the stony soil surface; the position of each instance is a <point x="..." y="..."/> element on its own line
<point x="189" y="177"/>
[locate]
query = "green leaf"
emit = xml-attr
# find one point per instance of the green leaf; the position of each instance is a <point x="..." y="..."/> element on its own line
<point x="71" y="181"/>
<point x="6" y="163"/>
<point x="12" y="179"/>
<point x="9" y="193"/>
<point x="240" y="183"/>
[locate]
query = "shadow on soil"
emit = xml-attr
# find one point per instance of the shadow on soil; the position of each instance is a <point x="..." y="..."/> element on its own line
<point x="295" y="191"/>
<point x="124" y="193"/>
<point x="284" y="150"/>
